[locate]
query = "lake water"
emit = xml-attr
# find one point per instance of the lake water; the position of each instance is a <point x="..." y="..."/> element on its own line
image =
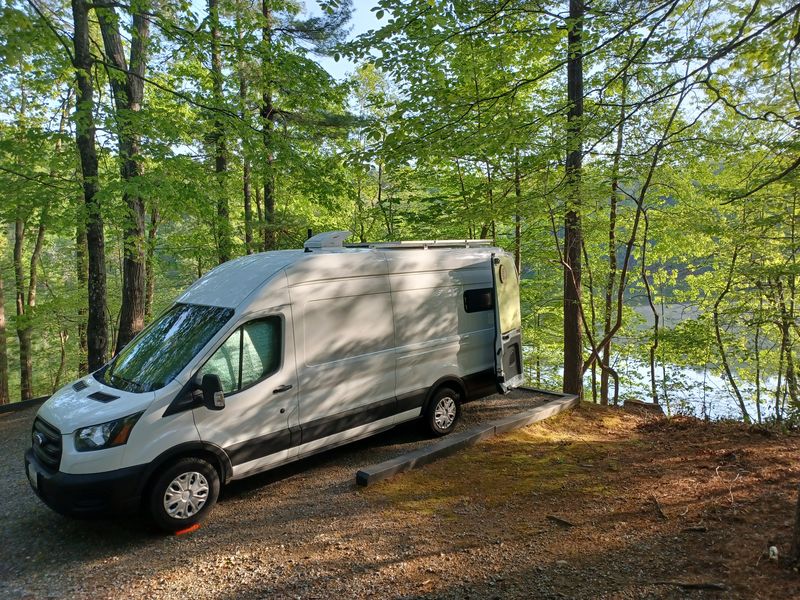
<point x="695" y="391"/>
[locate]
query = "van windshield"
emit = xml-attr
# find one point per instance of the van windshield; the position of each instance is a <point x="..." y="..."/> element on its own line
<point x="161" y="351"/>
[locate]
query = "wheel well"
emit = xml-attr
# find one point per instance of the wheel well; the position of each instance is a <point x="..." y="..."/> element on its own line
<point x="221" y="466"/>
<point x="452" y="382"/>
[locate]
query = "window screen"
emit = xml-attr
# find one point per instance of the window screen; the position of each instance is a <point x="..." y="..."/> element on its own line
<point x="225" y="363"/>
<point x="260" y="350"/>
<point x="250" y="354"/>
<point x="478" y="300"/>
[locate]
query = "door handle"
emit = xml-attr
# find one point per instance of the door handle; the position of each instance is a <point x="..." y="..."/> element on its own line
<point x="282" y="388"/>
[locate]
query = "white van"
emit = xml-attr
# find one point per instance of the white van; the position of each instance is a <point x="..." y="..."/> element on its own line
<point x="271" y="357"/>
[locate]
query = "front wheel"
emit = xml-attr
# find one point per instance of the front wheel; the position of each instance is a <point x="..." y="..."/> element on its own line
<point x="183" y="494"/>
<point x="443" y="412"/>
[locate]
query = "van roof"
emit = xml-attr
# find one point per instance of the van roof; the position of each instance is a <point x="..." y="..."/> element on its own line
<point x="233" y="282"/>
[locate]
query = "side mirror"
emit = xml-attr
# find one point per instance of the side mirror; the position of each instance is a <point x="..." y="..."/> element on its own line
<point x="213" y="398"/>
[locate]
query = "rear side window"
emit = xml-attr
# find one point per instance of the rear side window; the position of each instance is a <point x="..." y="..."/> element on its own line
<point x="250" y="354"/>
<point x="478" y="300"/>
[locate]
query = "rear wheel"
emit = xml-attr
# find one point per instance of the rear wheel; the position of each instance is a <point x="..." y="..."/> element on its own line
<point x="183" y="494"/>
<point x="443" y="412"/>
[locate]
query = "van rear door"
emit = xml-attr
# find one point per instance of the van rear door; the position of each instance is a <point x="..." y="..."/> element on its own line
<point x="508" y="323"/>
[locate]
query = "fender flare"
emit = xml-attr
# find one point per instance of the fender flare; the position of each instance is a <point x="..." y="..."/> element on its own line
<point x="450" y="381"/>
<point x="194" y="448"/>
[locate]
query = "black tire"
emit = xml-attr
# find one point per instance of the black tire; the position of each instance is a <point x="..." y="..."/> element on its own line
<point x="443" y="411"/>
<point x="199" y="481"/>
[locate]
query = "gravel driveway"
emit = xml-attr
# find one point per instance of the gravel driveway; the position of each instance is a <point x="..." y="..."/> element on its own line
<point x="302" y="531"/>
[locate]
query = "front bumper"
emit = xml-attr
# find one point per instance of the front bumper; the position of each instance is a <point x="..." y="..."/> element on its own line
<point x="108" y="493"/>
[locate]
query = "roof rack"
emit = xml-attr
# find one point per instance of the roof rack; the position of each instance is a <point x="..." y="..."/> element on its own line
<point x="423" y="244"/>
<point x="335" y="239"/>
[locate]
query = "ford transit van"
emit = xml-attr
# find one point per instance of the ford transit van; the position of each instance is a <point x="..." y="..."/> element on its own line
<point x="272" y="357"/>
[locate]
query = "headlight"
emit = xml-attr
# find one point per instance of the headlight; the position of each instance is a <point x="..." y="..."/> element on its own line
<point x="105" y="435"/>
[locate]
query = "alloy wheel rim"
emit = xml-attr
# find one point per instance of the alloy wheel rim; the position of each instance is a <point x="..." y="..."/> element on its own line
<point x="445" y="413"/>
<point x="186" y="495"/>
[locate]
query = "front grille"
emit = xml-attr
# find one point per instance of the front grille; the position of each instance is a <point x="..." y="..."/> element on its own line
<point x="46" y="441"/>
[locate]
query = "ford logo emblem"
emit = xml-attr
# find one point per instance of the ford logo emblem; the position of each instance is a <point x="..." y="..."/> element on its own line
<point x="39" y="439"/>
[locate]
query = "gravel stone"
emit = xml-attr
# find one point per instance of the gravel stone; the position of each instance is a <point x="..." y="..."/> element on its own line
<point x="301" y="531"/>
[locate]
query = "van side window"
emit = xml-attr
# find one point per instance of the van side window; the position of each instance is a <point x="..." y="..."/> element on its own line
<point x="261" y="349"/>
<point x="478" y="300"/>
<point x="225" y="363"/>
<point x="250" y="354"/>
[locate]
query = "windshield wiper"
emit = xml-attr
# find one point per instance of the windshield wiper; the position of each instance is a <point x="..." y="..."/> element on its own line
<point x="128" y="381"/>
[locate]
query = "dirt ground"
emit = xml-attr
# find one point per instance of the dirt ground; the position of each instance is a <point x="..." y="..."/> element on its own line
<point x="595" y="503"/>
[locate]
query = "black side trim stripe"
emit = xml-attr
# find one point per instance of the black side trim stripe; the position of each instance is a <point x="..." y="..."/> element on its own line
<point x="356" y="417"/>
<point x="260" y="446"/>
<point x="478" y="385"/>
<point x="411" y="400"/>
<point x="283" y="440"/>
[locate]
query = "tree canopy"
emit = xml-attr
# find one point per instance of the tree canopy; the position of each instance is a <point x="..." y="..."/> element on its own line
<point x="635" y="157"/>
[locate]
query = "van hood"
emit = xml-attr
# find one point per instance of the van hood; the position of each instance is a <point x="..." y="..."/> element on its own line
<point x="88" y="402"/>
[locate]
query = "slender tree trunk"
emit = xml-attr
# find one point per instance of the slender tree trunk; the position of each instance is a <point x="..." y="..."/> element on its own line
<point x="82" y="275"/>
<point x="63" y="336"/>
<point x="268" y="124"/>
<point x="605" y="361"/>
<point x="97" y="320"/>
<point x="150" y="275"/>
<point x="649" y="293"/>
<point x="248" y="207"/>
<point x="779" y="382"/>
<point x="23" y="329"/>
<point x="223" y="228"/>
<point x="592" y="325"/>
<point x="757" y="353"/>
<point x="471" y="229"/>
<point x="786" y="343"/>
<point x="387" y="215"/>
<point x="246" y="177"/>
<point x="573" y="335"/>
<point x="127" y="85"/>
<point x="490" y="197"/>
<point x="26" y="306"/>
<point x="720" y="345"/>
<point x="517" y="217"/>
<point x="4" y="397"/>
<point x="787" y="311"/>
<point x="794" y="550"/>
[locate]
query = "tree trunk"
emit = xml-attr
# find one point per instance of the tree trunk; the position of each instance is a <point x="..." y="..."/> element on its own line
<point x="26" y="306"/>
<point x="97" y="321"/>
<point x="23" y="329"/>
<point x="718" y="333"/>
<point x="223" y="227"/>
<point x="605" y="361"/>
<point x="649" y="293"/>
<point x="128" y="89"/>
<point x="63" y="336"/>
<point x="573" y="342"/>
<point x="4" y="397"/>
<point x="517" y="217"/>
<point x="246" y="178"/>
<point x="757" y="355"/>
<point x="150" y="276"/>
<point x="248" y="207"/>
<point x="268" y="124"/>
<point x="82" y="275"/>
<point x="794" y="552"/>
